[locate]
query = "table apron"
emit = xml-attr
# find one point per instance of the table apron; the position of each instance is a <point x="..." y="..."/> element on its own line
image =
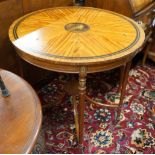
<point x="70" y="68"/>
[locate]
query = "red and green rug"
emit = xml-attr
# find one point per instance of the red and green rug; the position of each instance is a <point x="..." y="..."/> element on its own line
<point x="134" y="133"/>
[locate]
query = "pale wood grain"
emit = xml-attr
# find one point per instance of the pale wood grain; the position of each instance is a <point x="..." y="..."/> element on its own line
<point x="42" y="36"/>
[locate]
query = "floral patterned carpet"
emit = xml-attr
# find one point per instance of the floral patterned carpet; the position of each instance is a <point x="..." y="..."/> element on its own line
<point x="134" y="133"/>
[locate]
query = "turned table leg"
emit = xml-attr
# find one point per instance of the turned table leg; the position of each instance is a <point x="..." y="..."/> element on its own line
<point x="82" y="95"/>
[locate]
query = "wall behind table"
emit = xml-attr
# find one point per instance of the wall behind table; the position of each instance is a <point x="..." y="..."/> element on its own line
<point x="9" y="11"/>
<point x="32" y="5"/>
<point x="12" y="9"/>
<point x="119" y="6"/>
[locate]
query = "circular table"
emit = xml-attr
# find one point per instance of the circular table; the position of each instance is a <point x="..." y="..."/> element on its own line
<point x="20" y="115"/>
<point x="78" y="40"/>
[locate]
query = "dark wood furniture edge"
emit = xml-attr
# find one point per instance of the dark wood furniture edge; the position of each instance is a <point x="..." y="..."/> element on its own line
<point x="145" y="10"/>
<point x="33" y="138"/>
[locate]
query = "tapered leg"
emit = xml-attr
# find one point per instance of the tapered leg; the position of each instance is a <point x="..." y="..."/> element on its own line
<point x="82" y="95"/>
<point x="76" y="118"/>
<point x="20" y="66"/>
<point x="124" y="83"/>
<point x="125" y="80"/>
<point x="122" y="72"/>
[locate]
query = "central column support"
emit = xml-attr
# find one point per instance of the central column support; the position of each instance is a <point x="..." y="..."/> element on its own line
<point x="82" y="97"/>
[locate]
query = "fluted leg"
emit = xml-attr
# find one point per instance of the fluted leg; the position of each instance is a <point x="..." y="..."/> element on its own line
<point x="82" y="94"/>
<point x="76" y="117"/>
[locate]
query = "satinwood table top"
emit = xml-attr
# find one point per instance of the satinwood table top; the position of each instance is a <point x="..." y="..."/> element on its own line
<point x="75" y="36"/>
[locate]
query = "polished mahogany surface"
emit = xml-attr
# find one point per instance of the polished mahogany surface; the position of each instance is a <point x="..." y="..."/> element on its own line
<point x="20" y="116"/>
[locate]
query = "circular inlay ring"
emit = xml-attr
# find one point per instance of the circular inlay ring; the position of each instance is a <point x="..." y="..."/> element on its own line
<point x="77" y="27"/>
